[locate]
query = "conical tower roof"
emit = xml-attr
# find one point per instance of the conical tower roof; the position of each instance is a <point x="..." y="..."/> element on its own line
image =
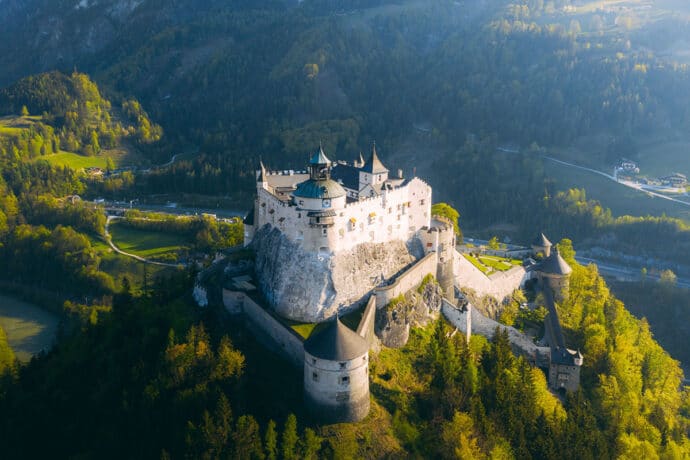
<point x="373" y="164"/>
<point x="319" y="158"/>
<point x="555" y="265"/>
<point x="262" y="172"/>
<point x="541" y="241"/>
<point x="336" y="342"/>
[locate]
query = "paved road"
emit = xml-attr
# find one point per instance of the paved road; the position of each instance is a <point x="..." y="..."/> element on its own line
<point x="183" y="211"/>
<point x="628" y="184"/>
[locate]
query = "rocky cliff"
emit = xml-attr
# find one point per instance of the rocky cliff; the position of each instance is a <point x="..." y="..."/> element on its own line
<point x="309" y="287"/>
<point x="416" y="308"/>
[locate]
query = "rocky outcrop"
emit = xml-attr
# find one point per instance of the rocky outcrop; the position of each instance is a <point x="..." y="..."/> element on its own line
<point x="311" y="287"/>
<point x="414" y="309"/>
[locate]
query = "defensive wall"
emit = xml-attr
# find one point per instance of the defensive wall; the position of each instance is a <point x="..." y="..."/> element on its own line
<point x="409" y="280"/>
<point x="482" y="325"/>
<point x="271" y="332"/>
<point x="498" y="285"/>
<point x="366" y="324"/>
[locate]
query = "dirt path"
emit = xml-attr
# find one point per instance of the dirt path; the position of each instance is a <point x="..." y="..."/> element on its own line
<point x="109" y="239"/>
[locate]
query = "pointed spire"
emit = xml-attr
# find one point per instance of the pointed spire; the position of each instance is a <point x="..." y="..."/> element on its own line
<point x="262" y="172"/>
<point x="320" y="158"/>
<point x="374" y="165"/>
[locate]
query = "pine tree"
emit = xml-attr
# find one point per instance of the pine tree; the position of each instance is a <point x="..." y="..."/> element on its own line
<point x="311" y="444"/>
<point x="290" y="438"/>
<point x="271" y="441"/>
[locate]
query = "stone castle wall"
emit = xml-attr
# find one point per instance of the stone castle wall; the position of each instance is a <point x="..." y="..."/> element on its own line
<point x="395" y="215"/>
<point x="366" y="324"/>
<point x="328" y="396"/>
<point x="408" y="280"/>
<point x="271" y="332"/>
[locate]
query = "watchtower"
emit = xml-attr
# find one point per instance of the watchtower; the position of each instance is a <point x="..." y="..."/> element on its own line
<point x="555" y="273"/>
<point x="336" y="374"/>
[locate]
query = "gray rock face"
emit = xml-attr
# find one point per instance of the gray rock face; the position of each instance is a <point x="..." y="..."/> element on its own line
<point x="304" y="286"/>
<point x="417" y="309"/>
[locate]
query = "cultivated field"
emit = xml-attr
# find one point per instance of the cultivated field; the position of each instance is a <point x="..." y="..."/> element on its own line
<point x="29" y="328"/>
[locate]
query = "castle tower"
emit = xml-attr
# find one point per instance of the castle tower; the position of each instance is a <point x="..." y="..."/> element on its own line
<point x="319" y="192"/>
<point x="555" y="272"/>
<point x="336" y="374"/>
<point x="373" y="172"/>
<point x="439" y="237"/>
<point x="541" y="245"/>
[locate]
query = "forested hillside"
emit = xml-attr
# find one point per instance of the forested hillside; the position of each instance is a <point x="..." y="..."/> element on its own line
<point x="166" y="377"/>
<point x="142" y="373"/>
<point x="348" y="75"/>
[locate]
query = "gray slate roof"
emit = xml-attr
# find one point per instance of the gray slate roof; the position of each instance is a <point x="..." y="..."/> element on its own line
<point x="373" y="164"/>
<point x="319" y="189"/>
<point x="347" y="175"/>
<point x="541" y="241"/>
<point x="336" y="342"/>
<point x="555" y="265"/>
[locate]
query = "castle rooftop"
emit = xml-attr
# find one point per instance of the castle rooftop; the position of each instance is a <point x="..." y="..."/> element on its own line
<point x="336" y="342"/>
<point x="555" y="265"/>
<point x="541" y="241"/>
<point x="320" y="158"/>
<point x="373" y="164"/>
<point x="327" y="188"/>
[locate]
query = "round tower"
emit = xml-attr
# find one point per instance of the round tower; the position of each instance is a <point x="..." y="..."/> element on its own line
<point x="446" y="250"/>
<point x="555" y="272"/>
<point x="439" y="237"/>
<point x="541" y="245"/>
<point x="320" y="196"/>
<point x="319" y="192"/>
<point x="336" y="374"/>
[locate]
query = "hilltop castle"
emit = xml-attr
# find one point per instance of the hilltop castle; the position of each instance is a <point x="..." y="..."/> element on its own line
<point x="327" y="236"/>
<point x="337" y="236"/>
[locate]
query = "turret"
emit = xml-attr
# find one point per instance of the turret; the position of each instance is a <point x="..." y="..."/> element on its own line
<point x="555" y="272"/>
<point x="336" y="374"/>
<point x="541" y="245"/>
<point x="319" y="193"/>
<point x="373" y="172"/>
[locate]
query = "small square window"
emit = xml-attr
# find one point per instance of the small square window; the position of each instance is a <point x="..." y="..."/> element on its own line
<point x="315" y="376"/>
<point x="342" y="365"/>
<point x="345" y="380"/>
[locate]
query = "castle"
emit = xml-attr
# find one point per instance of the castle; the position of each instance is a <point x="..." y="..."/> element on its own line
<point x="333" y="207"/>
<point x="336" y="236"/>
<point x="326" y="237"/>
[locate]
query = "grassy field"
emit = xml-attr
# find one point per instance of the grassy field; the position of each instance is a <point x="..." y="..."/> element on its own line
<point x="620" y="199"/>
<point x="74" y="160"/>
<point x="491" y="264"/>
<point x="29" y="328"/>
<point x="119" y="266"/>
<point x="148" y="244"/>
<point x="663" y="158"/>
<point x="122" y="156"/>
